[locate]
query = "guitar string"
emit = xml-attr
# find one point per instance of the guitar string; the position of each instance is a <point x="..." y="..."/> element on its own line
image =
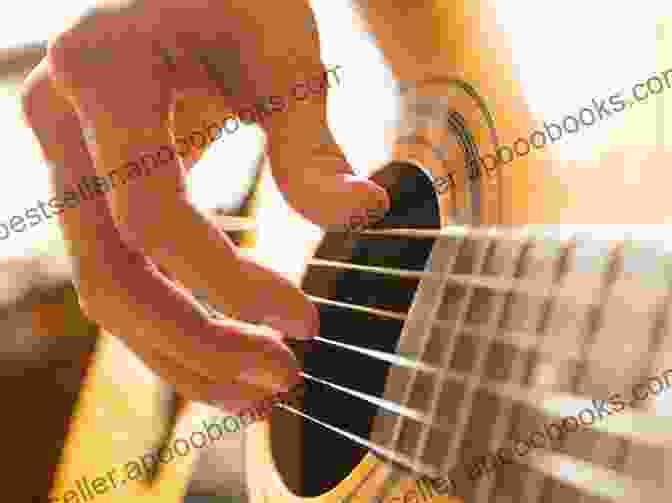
<point x="390" y="358"/>
<point x="380" y="451"/>
<point x="400" y="410"/>
<point x="512" y="234"/>
<point x="428" y="309"/>
<point x="483" y="348"/>
<point x="414" y="465"/>
<point x="412" y="233"/>
<point x="471" y="153"/>
<point x="481" y="258"/>
<point x="521" y="338"/>
<point x="497" y="284"/>
<point x="511" y="391"/>
<point x="390" y="456"/>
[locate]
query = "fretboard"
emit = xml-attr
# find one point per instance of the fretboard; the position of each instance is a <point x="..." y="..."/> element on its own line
<point x="517" y="330"/>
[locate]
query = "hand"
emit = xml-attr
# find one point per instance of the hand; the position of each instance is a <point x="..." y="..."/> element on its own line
<point x="283" y="68"/>
<point x="260" y="364"/>
<point x="276" y="301"/>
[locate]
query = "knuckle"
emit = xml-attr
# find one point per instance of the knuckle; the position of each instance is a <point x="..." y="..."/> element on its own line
<point x="87" y="54"/>
<point x="34" y="95"/>
<point x="38" y="96"/>
<point x="135" y="231"/>
<point x="65" y="50"/>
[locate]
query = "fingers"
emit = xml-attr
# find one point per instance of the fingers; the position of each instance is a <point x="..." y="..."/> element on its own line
<point x="277" y="302"/>
<point x="257" y="408"/>
<point x="236" y="397"/>
<point x="324" y="189"/>
<point x="301" y="322"/>
<point x="260" y="357"/>
<point x="190" y="383"/>
<point x="231" y="396"/>
<point x="337" y="200"/>
<point x="295" y="329"/>
<point x="312" y="172"/>
<point x="269" y="369"/>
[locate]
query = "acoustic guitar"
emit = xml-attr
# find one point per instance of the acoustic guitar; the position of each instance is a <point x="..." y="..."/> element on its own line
<point x="464" y="362"/>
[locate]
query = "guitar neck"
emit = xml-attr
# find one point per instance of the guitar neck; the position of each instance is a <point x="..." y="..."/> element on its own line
<point x="532" y="328"/>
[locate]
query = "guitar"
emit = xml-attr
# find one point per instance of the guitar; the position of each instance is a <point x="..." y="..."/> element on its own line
<point x="445" y="346"/>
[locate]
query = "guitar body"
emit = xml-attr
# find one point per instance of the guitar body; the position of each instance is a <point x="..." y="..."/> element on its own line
<point x="290" y="460"/>
<point x="518" y="328"/>
<point x="444" y="358"/>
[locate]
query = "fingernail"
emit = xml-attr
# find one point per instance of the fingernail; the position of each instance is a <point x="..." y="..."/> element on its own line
<point x="255" y="379"/>
<point x="296" y="329"/>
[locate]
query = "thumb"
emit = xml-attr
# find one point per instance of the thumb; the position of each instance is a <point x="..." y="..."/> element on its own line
<point x="323" y="188"/>
<point x="339" y="200"/>
<point x="313" y="174"/>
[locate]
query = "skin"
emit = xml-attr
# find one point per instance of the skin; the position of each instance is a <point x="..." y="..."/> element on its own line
<point x="136" y="75"/>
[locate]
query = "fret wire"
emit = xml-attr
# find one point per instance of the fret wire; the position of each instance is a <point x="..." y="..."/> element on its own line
<point x="498" y="284"/>
<point x="502" y="421"/>
<point x="552" y="296"/>
<point x="521" y="339"/>
<point x="538" y="400"/>
<point x="658" y="330"/>
<point x="588" y="348"/>
<point x="362" y="442"/>
<point x="590" y="327"/>
<point x="426" y="330"/>
<point x="558" y="267"/>
<point x="656" y="340"/>
<point x="474" y="379"/>
<point x="543" y="402"/>
<point x="596" y="481"/>
<point x="656" y="357"/>
<point x="534" y="485"/>
<point x="413" y="314"/>
<point x="447" y="354"/>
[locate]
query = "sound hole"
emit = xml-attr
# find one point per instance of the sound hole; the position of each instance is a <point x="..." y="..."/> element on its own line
<point x="327" y="458"/>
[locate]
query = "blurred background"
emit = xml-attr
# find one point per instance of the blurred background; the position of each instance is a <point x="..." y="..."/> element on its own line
<point x="81" y="403"/>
